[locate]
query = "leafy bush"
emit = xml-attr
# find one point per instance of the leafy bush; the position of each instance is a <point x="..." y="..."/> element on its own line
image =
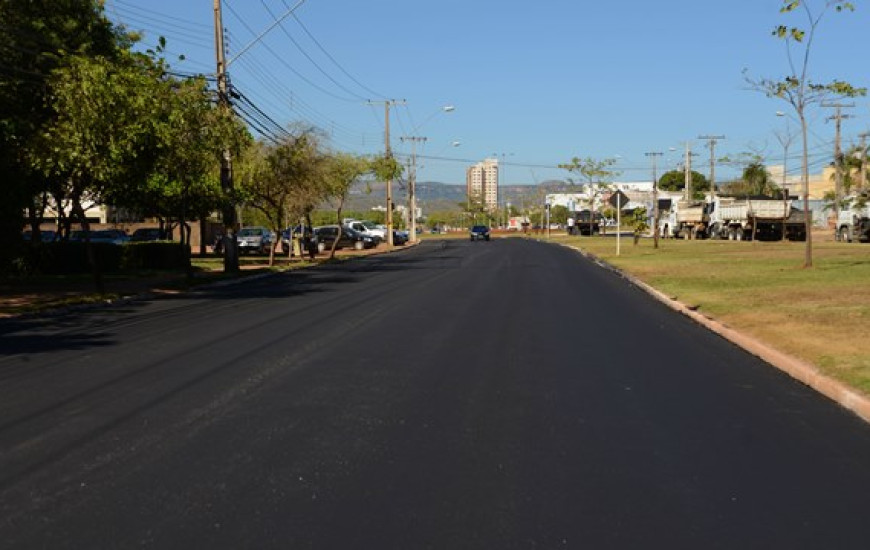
<point x="67" y="258"/>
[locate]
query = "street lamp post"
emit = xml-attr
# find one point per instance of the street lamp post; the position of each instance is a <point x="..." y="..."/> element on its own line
<point x="412" y="177"/>
<point x="503" y="156"/>
<point x="653" y="155"/>
<point x="785" y="140"/>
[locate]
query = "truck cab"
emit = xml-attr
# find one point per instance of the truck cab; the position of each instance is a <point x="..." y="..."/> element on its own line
<point x="853" y="222"/>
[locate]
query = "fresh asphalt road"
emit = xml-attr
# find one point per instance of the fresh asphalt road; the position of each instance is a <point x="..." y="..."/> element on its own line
<point x="492" y="395"/>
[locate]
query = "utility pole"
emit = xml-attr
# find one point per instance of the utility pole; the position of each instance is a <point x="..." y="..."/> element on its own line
<point x="412" y="183"/>
<point x="687" y="173"/>
<point x="712" y="144"/>
<point x="388" y="153"/>
<point x="862" y="182"/>
<point x="838" y="157"/>
<point x="785" y="140"/>
<point x="231" y="255"/>
<point x="653" y="156"/>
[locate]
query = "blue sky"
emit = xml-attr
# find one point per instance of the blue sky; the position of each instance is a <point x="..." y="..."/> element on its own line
<point x="540" y="82"/>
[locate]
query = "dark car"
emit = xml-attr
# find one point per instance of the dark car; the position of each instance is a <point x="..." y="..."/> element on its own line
<point x="45" y="235"/>
<point x="350" y="238"/>
<point x="144" y="234"/>
<point x="307" y="235"/>
<point x="479" y="232"/>
<point x="111" y="236"/>
<point x="400" y="237"/>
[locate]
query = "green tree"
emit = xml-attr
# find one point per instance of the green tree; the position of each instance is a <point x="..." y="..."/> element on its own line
<point x="597" y="176"/>
<point x="176" y="178"/>
<point x="638" y="222"/>
<point x="38" y="36"/>
<point x="559" y="214"/>
<point x="340" y="172"/>
<point x="103" y="119"/>
<point x="281" y="182"/>
<point x="796" y="88"/>
<point x="675" y="180"/>
<point x="758" y="180"/>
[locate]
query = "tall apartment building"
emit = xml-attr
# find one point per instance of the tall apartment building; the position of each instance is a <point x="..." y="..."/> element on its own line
<point x="481" y="183"/>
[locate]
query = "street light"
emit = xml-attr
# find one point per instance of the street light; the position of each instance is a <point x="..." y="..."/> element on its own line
<point x="412" y="180"/>
<point x="503" y="156"/>
<point x="784" y="140"/>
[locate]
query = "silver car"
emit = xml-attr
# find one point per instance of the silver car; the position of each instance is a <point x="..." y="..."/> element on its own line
<point x="257" y="240"/>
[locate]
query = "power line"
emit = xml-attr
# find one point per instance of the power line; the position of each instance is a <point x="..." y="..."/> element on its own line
<point x="177" y="20"/>
<point x="284" y="62"/>
<point x="268" y="82"/>
<point x="336" y="63"/>
<point x="309" y="58"/>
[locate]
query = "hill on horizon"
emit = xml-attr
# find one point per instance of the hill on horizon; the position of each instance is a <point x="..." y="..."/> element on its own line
<point x="437" y="196"/>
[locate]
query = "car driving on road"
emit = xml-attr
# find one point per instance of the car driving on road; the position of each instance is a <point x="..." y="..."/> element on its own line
<point x="479" y="232"/>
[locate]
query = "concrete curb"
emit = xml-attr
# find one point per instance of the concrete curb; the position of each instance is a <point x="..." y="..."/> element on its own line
<point x="798" y="369"/>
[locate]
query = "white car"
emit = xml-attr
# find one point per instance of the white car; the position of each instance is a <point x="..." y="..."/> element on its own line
<point x="368" y="228"/>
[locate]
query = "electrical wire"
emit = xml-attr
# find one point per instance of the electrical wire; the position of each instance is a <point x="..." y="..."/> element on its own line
<point x="308" y="57"/>
<point x="284" y="62"/>
<point x="331" y="58"/>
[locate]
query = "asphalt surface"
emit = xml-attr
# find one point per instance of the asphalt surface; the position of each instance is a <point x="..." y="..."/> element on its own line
<point x="493" y="395"/>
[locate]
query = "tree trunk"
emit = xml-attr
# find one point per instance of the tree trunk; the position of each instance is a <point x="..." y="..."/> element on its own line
<point x="338" y="222"/>
<point x="79" y="212"/>
<point x="202" y="236"/>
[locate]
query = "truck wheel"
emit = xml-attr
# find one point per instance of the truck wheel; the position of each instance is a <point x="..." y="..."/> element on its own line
<point x="844" y="235"/>
<point x="358" y="245"/>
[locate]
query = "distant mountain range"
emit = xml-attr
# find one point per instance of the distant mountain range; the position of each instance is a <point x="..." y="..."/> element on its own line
<point x="435" y="196"/>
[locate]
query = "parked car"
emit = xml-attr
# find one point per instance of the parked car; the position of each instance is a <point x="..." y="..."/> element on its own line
<point x="45" y="235"/>
<point x="111" y="236"/>
<point x="144" y="234"/>
<point x="301" y="232"/>
<point x="479" y="232"/>
<point x="368" y="228"/>
<point x="400" y="237"/>
<point x="350" y="238"/>
<point x="255" y="239"/>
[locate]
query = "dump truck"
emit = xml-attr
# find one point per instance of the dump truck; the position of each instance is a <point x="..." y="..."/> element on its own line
<point x="853" y="222"/>
<point x="753" y="218"/>
<point x="685" y="219"/>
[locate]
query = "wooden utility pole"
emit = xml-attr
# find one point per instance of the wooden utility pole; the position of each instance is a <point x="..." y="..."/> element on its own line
<point x="388" y="154"/>
<point x="231" y="255"/>
<point x="653" y="156"/>
<point x="712" y="144"/>
<point x="862" y="181"/>
<point x="688" y="173"/>
<point x="412" y="183"/>
<point x="838" y="159"/>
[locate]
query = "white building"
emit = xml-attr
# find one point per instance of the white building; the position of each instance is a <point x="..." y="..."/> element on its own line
<point x="481" y="183"/>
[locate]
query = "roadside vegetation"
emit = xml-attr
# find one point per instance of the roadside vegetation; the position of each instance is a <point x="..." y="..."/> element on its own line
<point x="92" y="119"/>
